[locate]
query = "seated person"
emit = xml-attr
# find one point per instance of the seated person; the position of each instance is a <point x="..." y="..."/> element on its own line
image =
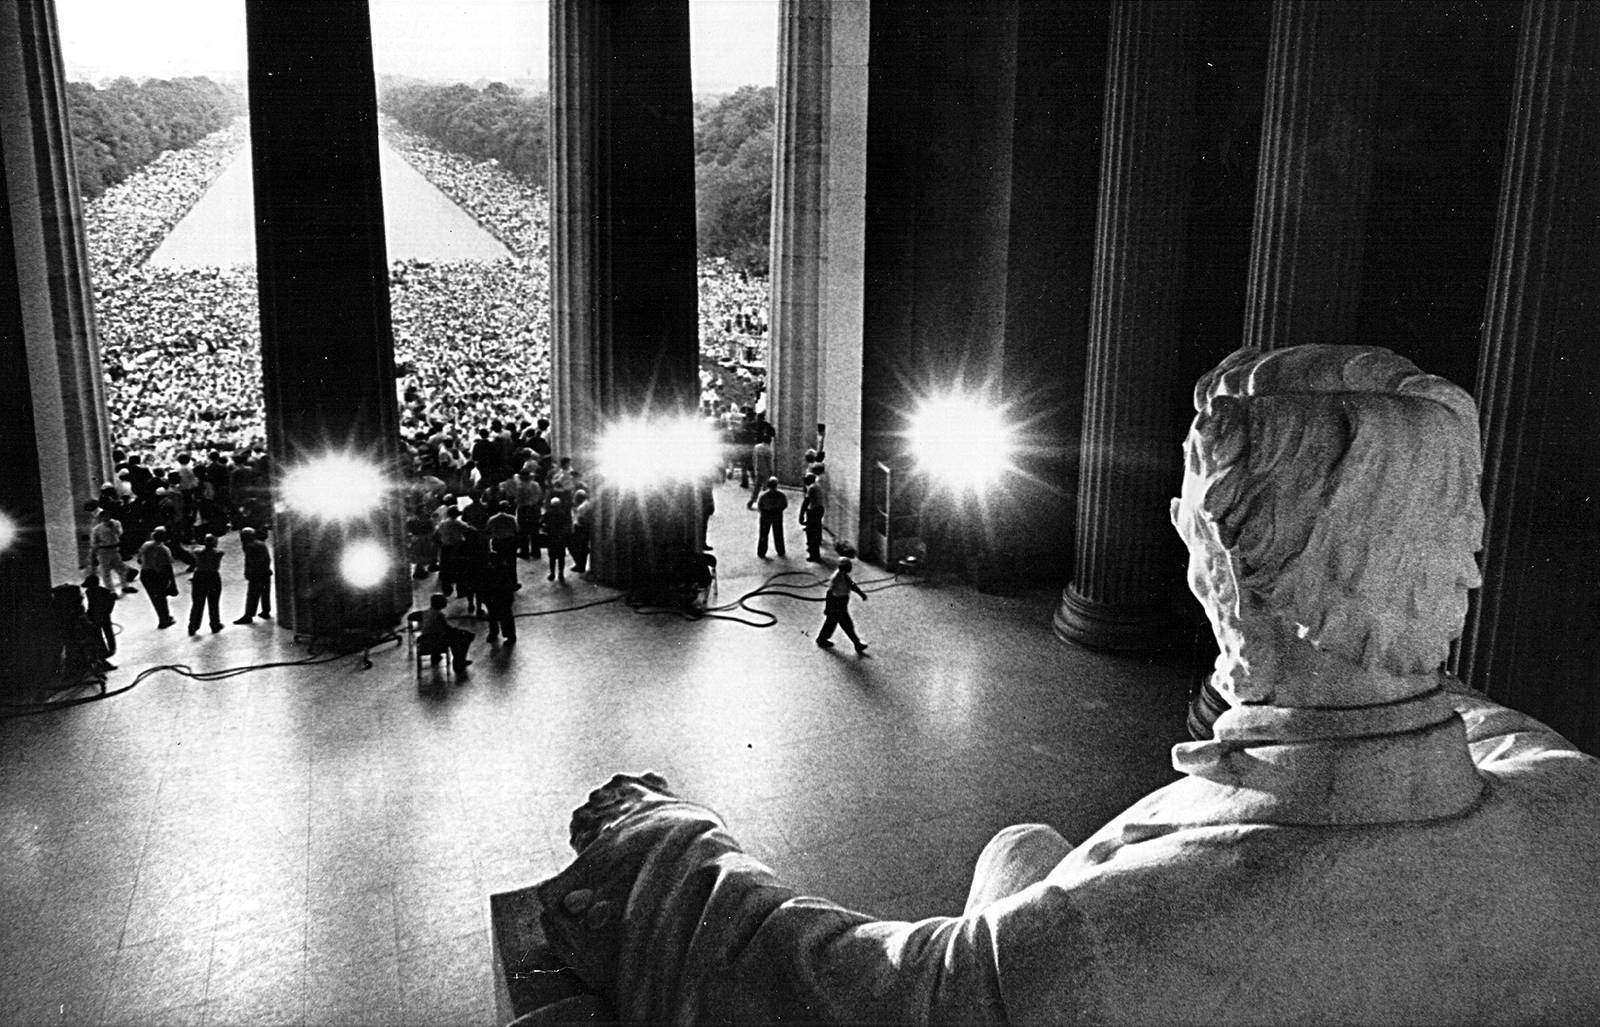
<point x="1363" y="841"/>
<point x="79" y="647"/>
<point x="684" y="577"/>
<point x="436" y="635"/>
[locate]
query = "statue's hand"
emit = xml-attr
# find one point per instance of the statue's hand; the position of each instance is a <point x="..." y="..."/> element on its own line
<point x="612" y="801"/>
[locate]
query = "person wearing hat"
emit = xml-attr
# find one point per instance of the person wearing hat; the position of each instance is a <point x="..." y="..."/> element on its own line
<point x="206" y="586"/>
<point x="257" y="576"/>
<point x="106" y="539"/>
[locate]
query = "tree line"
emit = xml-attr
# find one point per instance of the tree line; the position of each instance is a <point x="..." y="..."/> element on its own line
<point x="733" y="150"/>
<point x="496" y="122"/>
<point x="118" y="129"/>
<point x="733" y="176"/>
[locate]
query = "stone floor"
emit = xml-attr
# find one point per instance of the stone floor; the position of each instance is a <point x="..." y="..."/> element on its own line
<point x="317" y="843"/>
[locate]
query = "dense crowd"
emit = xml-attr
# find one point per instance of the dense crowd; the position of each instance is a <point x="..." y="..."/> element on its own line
<point x="508" y="208"/>
<point x="181" y="346"/>
<point x="127" y="222"/>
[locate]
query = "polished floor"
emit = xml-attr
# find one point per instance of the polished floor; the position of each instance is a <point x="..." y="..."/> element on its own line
<point x="317" y="843"/>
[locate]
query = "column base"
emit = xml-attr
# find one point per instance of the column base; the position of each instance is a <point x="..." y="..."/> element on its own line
<point x="1205" y="706"/>
<point x="1117" y="627"/>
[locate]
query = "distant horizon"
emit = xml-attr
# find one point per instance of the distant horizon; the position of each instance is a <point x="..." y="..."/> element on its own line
<point x="734" y="42"/>
<point x="532" y="85"/>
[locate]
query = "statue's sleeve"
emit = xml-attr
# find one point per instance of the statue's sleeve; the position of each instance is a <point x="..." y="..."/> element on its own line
<point x="667" y="919"/>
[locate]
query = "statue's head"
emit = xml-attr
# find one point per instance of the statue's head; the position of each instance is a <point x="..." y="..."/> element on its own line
<point x="1331" y="509"/>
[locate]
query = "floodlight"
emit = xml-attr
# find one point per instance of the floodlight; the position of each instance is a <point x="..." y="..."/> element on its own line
<point x="335" y="487"/>
<point x="637" y="454"/>
<point x="363" y="564"/>
<point x="8" y="531"/>
<point x="961" y="441"/>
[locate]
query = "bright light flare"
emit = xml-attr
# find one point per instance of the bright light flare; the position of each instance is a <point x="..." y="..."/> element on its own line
<point x="8" y="531"/>
<point x="363" y="564"/>
<point x="961" y="441"/>
<point x="335" y="487"/>
<point x="637" y="454"/>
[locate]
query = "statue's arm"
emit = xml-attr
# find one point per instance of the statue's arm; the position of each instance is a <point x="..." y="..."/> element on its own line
<point x="670" y="921"/>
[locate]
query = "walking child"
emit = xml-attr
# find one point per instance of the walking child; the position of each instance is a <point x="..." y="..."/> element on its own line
<point x="836" y="608"/>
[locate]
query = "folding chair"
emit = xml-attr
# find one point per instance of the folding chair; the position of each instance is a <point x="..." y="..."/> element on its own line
<point x="421" y="647"/>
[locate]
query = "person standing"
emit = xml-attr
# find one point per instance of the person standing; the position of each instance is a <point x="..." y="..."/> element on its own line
<point x="578" y="543"/>
<point x="836" y="607"/>
<point x="761" y="455"/>
<point x="527" y="496"/>
<point x="502" y="529"/>
<point x="189" y="488"/>
<point x="744" y="439"/>
<point x="708" y="506"/>
<point x="80" y="650"/>
<point x="101" y="602"/>
<point x="106" y="538"/>
<point x="451" y="535"/>
<point x="561" y="482"/>
<point x="498" y="590"/>
<point x="812" y="510"/>
<point x="205" y="588"/>
<point x="155" y="563"/>
<point x="257" y="576"/>
<point x="474" y="558"/>
<point x="771" y="504"/>
<point x="214" y="477"/>
<point x="557" y="532"/>
<point x="537" y="441"/>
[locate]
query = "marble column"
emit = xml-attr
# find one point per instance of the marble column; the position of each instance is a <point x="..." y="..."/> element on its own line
<point x="1315" y="174"/>
<point x="327" y="349"/>
<point x="1127" y="574"/>
<point x="841" y="307"/>
<point x="799" y="238"/>
<point x="574" y="289"/>
<point x="940" y="122"/>
<point x="52" y="406"/>
<point x="1530" y="639"/>
<point x="625" y="322"/>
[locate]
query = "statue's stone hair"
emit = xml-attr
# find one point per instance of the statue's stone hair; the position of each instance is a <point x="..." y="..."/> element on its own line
<point x="1345" y="483"/>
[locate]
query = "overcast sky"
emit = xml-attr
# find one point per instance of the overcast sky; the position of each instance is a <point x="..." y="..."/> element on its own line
<point x="735" y="41"/>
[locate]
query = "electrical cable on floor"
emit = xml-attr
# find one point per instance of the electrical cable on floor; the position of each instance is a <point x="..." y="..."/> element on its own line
<point x="769" y="587"/>
<point x="182" y="670"/>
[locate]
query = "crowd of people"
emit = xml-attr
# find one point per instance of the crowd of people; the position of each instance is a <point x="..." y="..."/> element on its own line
<point x="128" y="221"/>
<point x="180" y="349"/>
<point x="181" y="346"/>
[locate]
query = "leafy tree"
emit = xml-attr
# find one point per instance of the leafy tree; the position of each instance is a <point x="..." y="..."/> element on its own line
<point x="733" y="177"/>
<point x="496" y="122"/>
<point x="121" y="128"/>
<point x="734" y="204"/>
<point x="733" y="150"/>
